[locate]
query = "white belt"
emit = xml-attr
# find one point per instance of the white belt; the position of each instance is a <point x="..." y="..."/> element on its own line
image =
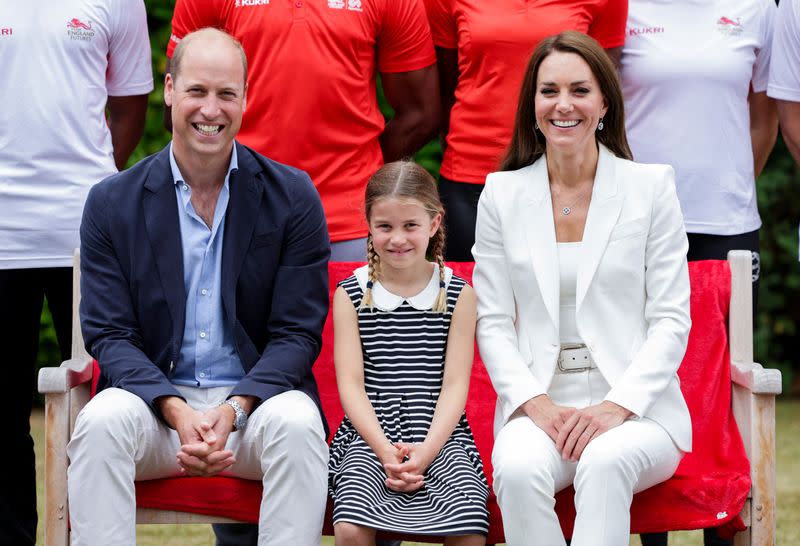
<point x="575" y="358"/>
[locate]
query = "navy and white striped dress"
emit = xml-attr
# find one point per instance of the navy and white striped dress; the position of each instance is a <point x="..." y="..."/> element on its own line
<point x="404" y="343"/>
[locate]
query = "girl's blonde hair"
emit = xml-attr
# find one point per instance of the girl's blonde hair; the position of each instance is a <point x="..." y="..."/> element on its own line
<point x="405" y="180"/>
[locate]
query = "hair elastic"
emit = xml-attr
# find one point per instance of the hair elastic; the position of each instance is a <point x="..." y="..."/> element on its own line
<point x="441" y="284"/>
<point x="369" y="285"/>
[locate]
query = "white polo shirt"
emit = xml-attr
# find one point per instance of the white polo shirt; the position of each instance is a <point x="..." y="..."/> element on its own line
<point x="784" y="71"/>
<point x="687" y="68"/>
<point x="60" y="60"/>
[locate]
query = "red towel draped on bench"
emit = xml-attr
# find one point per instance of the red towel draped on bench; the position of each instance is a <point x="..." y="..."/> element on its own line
<point x="709" y="488"/>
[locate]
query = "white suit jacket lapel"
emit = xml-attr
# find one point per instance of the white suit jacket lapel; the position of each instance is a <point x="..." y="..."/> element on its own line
<point x="540" y="233"/>
<point x="604" y="210"/>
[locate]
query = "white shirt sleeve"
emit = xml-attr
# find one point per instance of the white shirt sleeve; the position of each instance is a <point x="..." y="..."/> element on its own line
<point x="129" y="68"/>
<point x="784" y="74"/>
<point x="763" y="54"/>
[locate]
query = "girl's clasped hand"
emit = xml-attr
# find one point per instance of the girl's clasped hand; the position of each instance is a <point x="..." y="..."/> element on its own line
<point x="406" y="466"/>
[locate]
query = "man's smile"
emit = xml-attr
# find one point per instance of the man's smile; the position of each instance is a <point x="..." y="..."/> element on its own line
<point x="207" y="130"/>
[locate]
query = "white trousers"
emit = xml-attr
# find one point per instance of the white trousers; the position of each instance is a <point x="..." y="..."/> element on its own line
<point x="117" y="440"/>
<point x="529" y="471"/>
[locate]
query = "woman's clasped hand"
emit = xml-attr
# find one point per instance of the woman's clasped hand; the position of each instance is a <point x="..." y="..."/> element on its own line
<point x="570" y="428"/>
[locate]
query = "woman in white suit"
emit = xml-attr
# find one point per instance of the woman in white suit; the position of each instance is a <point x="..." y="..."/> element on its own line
<point x="583" y="305"/>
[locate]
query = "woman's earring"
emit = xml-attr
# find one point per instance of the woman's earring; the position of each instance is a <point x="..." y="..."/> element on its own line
<point x="600" y="125"/>
<point x="535" y="126"/>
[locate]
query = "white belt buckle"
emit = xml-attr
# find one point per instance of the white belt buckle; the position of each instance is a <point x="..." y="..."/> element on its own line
<point x="574" y="359"/>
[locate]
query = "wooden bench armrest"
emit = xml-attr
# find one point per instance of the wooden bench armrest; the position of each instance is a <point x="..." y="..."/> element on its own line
<point x="71" y="373"/>
<point x="755" y="378"/>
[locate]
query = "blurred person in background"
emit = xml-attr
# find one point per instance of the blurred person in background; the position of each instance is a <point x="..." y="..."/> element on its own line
<point x="784" y="74"/>
<point x="77" y="74"/>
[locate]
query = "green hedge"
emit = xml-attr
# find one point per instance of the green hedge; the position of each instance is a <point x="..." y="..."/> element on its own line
<point x="778" y="189"/>
<point x="779" y="294"/>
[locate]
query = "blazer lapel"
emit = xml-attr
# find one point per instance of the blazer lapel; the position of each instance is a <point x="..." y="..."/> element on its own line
<point x="540" y="233"/>
<point x="240" y="220"/>
<point x="164" y="232"/>
<point x="604" y="210"/>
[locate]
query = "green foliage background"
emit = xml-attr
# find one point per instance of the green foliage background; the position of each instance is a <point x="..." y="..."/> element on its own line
<point x="778" y="198"/>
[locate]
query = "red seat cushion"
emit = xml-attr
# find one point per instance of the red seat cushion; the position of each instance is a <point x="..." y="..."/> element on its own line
<point x="708" y="489"/>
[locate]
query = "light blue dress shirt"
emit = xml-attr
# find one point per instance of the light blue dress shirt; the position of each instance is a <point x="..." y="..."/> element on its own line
<point x="208" y="356"/>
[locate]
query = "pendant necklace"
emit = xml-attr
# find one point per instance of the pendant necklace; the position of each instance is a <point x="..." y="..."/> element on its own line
<point x="565" y="211"/>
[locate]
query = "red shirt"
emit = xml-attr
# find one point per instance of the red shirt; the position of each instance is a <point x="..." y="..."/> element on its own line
<point x="311" y="100"/>
<point x="495" y="39"/>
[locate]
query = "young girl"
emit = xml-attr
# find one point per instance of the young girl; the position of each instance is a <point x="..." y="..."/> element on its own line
<point x="404" y="459"/>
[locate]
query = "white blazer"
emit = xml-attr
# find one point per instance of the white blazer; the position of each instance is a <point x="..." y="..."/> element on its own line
<point x="632" y="300"/>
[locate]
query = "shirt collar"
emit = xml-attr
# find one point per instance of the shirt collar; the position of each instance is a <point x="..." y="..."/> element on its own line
<point x="177" y="177"/>
<point x="387" y="301"/>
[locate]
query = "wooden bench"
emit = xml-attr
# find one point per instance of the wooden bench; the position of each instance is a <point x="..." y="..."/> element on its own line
<point x="706" y="491"/>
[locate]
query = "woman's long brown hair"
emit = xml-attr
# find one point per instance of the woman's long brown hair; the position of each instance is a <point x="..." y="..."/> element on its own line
<point x="527" y="145"/>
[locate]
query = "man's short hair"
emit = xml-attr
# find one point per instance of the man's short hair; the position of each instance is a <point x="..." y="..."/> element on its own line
<point x="180" y="49"/>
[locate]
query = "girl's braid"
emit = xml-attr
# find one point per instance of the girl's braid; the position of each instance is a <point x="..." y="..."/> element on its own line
<point x="437" y="250"/>
<point x="373" y="270"/>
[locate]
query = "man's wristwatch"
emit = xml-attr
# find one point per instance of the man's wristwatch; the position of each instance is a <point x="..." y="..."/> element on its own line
<point x="240" y="420"/>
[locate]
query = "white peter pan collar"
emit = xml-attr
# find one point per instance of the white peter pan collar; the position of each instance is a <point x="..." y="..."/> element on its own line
<point x="387" y="301"/>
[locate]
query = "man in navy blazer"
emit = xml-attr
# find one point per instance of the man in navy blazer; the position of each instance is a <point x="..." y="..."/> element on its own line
<point x="204" y="293"/>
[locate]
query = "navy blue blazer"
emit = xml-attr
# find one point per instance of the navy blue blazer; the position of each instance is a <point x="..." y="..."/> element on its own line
<point x="274" y="277"/>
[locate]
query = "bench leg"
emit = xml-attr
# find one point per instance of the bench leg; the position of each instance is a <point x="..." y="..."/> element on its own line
<point x="755" y="415"/>
<point x="56" y="512"/>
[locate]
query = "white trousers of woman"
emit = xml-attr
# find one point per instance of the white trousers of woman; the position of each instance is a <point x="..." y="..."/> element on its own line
<point x="117" y="440"/>
<point x="529" y="471"/>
